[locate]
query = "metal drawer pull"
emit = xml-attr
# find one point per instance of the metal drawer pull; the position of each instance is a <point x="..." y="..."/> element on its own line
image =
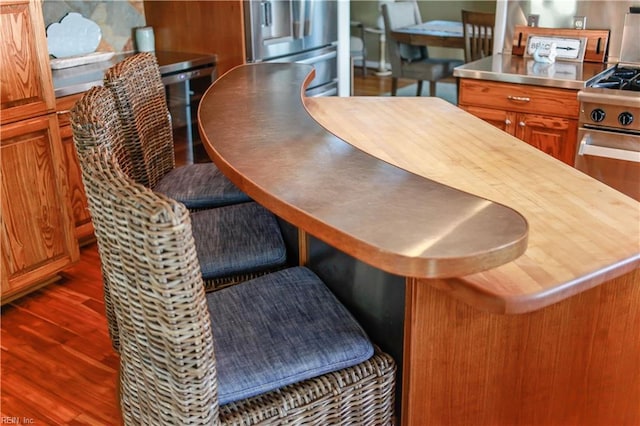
<point x="507" y="121"/>
<point x="522" y="124"/>
<point x="605" y="152"/>
<point x="519" y="98"/>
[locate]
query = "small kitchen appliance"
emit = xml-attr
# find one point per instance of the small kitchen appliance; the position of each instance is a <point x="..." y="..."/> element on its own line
<point x="609" y="123"/>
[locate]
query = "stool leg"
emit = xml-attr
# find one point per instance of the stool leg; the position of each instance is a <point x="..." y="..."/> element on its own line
<point x="351" y="66"/>
<point x="432" y="88"/>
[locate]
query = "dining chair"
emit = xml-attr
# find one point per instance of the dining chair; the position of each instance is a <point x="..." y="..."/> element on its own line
<point x="416" y="9"/>
<point x="234" y="243"/>
<point x="409" y="61"/>
<point x="478" y="30"/>
<point x="358" y="47"/>
<point x="276" y="350"/>
<point x="140" y="97"/>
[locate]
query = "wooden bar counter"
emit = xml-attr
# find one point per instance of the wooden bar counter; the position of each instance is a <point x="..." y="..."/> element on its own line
<point x="521" y="291"/>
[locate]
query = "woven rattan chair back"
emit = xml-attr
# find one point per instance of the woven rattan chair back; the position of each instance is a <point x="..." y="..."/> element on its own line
<point x="149" y="258"/>
<point x="95" y="122"/>
<point x="146" y="122"/>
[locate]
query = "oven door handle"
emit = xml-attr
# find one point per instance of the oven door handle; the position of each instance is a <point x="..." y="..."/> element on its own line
<point x="602" y="151"/>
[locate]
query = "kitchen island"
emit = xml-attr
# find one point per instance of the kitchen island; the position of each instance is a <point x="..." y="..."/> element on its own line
<point x="523" y="322"/>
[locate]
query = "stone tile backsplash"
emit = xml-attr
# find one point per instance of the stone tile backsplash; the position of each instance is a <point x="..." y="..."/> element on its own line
<point x="116" y="18"/>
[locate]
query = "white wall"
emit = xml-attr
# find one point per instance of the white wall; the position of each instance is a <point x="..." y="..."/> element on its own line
<point x="344" y="68"/>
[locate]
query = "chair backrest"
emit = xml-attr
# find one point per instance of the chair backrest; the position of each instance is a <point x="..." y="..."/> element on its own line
<point x="478" y="30"/>
<point x="356" y="47"/>
<point x="397" y="15"/>
<point x="147" y="250"/>
<point x="98" y="106"/>
<point x="140" y="97"/>
<point x="416" y="9"/>
<point x="357" y="44"/>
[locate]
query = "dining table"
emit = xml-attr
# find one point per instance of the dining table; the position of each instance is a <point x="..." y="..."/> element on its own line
<point x="432" y="33"/>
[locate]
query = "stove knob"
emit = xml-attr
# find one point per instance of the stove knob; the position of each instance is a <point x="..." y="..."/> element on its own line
<point x="625" y="118"/>
<point x="598" y="115"/>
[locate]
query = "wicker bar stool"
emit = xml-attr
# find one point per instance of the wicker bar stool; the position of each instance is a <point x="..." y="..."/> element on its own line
<point x="235" y="242"/>
<point x="276" y="350"/>
<point x="140" y="98"/>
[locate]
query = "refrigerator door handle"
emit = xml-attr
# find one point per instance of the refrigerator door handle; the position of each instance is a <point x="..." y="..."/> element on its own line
<point x="267" y="18"/>
<point x="298" y="23"/>
<point x="309" y="19"/>
<point x="319" y="58"/>
<point x="332" y="91"/>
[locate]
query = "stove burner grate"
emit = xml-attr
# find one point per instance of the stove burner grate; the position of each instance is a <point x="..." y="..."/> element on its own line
<point x="621" y="78"/>
<point x="625" y="73"/>
<point x="610" y="83"/>
<point x="634" y="85"/>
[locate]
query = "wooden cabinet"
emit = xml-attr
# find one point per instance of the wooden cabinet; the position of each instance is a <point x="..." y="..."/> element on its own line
<point x="37" y="231"/>
<point x="79" y="206"/>
<point x="546" y="118"/>
<point x="26" y="80"/>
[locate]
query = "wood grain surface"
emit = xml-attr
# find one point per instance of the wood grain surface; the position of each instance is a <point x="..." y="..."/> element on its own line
<point x="58" y="366"/>
<point x="576" y="362"/>
<point x="582" y="233"/>
<point x="200" y="27"/>
<point x="257" y="131"/>
<point x="27" y="88"/>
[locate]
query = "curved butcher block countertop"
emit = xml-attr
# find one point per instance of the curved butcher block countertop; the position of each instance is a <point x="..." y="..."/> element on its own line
<point x="258" y="132"/>
<point x="285" y="155"/>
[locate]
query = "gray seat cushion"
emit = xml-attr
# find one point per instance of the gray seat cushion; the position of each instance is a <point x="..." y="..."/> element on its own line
<point x="279" y="329"/>
<point x="237" y="239"/>
<point x="200" y="186"/>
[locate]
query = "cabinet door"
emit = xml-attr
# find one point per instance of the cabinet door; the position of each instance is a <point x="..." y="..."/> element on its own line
<point x="37" y="230"/>
<point x="26" y="86"/>
<point x="503" y="120"/>
<point x="554" y="135"/>
<point x="79" y="206"/>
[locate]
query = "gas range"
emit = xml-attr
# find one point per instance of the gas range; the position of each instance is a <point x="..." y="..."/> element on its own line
<point x="609" y="123"/>
<point x="611" y="100"/>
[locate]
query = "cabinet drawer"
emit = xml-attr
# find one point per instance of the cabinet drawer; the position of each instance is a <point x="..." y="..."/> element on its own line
<point x="64" y="105"/>
<point x="519" y="97"/>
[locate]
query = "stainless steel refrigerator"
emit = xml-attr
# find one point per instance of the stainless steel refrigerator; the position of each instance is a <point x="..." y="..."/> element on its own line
<point x="302" y="31"/>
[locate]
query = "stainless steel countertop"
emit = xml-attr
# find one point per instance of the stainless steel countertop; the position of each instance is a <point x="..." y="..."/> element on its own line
<point x="520" y="70"/>
<point x="69" y="81"/>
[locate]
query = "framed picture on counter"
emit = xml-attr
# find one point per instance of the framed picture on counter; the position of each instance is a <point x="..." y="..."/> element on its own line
<point x="566" y="49"/>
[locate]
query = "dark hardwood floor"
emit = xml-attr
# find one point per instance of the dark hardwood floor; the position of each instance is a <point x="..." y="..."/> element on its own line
<point x="57" y="366"/>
